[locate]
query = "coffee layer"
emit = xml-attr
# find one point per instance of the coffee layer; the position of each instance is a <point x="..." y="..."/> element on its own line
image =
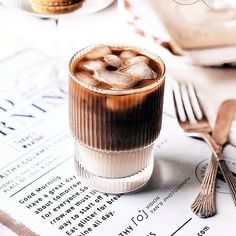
<point x="115" y="121"/>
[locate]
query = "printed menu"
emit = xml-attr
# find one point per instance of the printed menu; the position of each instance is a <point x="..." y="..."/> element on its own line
<point x="41" y="195"/>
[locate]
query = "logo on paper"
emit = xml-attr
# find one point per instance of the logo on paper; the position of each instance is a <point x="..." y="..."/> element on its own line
<point x="221" y="186"/>
<point x="189" y="2"/>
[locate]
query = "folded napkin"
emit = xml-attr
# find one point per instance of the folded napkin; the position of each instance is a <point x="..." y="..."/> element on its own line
<point x="206" y="32"/>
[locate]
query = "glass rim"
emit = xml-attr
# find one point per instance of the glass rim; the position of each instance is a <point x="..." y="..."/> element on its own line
<point x="145" y="52"/>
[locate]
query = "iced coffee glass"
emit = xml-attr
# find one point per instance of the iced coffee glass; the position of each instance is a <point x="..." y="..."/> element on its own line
<point x="115" y="113"/>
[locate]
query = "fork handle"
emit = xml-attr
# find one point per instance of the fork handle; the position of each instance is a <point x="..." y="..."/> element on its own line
<point x="228" y="176"/>
<point x="205" y="204"/>
<point x="216" y="148"/>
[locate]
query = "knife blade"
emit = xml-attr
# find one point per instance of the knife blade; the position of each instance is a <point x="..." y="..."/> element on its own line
<point x="223" y="122"/>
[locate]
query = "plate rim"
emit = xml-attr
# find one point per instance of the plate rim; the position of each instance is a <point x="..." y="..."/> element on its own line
<point x="8" y="4"/>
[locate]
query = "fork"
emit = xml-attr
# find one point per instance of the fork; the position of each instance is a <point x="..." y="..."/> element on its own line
<point x="194" y="122"/>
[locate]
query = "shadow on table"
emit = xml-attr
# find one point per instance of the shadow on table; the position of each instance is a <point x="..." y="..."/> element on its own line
<point x="168" y="173"/>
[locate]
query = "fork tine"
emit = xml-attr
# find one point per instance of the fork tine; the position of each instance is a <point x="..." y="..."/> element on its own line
<point x="178" y="104"/>
<point x="187" y="103"/>
<point x="196" y="103"/>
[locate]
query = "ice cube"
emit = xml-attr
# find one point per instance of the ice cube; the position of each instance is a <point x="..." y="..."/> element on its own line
<point x="137" y="59"/>
<point x="139" y="71"/>
<point x="94" y="65"/>
<point x="98" y="52"/>
<point x="127" y="54"/>
<point x="87" y="79"/>
<point x="112" y="60"/>
<point x="115" y="79"/>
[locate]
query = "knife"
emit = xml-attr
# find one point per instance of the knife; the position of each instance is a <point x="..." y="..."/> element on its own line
<point x="223" y="122"/>
<point x="205" y="204"/>
<point x="220" y="134"/>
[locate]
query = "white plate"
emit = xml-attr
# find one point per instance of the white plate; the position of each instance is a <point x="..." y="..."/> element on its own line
<point x="89" y="6"/>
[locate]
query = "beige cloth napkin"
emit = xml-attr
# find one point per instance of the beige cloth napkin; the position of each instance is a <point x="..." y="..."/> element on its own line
<point x="206" y="33"/>
<point x="198" y="25"/>
<point x="205" y="30"/>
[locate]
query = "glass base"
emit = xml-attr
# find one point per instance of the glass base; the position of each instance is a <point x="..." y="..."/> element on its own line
<point x="114" y="171"/>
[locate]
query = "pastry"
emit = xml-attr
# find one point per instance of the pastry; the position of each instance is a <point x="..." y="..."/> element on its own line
<point x="55" y="6"/>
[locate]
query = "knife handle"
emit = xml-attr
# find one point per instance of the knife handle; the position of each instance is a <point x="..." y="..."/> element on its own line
<point x="229" y="178"/>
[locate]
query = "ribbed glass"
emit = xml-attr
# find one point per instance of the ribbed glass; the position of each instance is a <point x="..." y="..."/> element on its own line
<point x="109" y="124"/>
<point x="114" y="172"/>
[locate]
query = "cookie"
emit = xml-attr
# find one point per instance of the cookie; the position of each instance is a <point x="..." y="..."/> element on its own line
<point x="55" y="2"/>
<point x="55" y="6"/>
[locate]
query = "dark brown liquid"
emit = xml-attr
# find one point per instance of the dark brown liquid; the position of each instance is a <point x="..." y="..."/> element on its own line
<point x="116" y="122"/>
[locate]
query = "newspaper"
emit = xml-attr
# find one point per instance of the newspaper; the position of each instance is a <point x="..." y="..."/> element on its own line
<point x="41" y="195"/>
